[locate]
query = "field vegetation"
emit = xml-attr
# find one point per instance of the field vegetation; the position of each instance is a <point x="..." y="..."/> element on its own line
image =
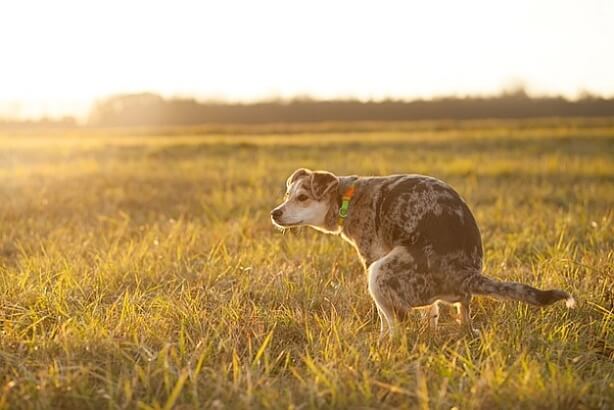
<point x="139" y="269"/>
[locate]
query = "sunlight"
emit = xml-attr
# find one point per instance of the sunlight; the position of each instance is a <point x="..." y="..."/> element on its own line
<point x="59" y="56"/>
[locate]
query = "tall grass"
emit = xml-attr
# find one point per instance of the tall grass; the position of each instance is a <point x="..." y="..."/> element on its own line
<point x="142" y="271"/>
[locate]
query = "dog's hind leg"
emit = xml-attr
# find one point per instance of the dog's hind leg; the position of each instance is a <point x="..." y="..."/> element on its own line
<point x="386" y="322"/>
<point x="464" y="313"/>
<point x="395" y="287"/>
<point x="433" y="316"/>
<point x="380" y="296"/>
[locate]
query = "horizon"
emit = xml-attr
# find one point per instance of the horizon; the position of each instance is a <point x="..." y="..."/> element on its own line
<point x="83" y="112"/>
<point x="393" y="51"/>
<point x="502" y="93"/>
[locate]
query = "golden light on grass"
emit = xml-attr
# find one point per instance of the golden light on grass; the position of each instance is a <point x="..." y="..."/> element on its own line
<point x="143" y="271"/>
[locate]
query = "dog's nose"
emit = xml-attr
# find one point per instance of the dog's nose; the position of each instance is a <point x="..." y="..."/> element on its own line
<point x="276" y="213"/>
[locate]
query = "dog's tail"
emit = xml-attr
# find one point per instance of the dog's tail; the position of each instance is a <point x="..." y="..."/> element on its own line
<point x="483" y="285"/>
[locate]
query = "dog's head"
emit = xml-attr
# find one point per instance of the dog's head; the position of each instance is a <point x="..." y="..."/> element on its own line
<point x="308" y="200"/>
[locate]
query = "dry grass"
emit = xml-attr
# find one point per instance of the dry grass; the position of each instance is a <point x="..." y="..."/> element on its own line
<point x="142" y="271"/>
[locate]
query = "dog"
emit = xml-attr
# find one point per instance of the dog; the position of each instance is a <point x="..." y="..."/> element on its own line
<point x="415" y="236"/>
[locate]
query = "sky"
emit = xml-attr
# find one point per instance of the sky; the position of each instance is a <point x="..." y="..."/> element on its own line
<point x="57" y="57"/>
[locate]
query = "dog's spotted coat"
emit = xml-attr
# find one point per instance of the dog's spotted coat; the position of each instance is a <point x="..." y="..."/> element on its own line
<point x="415" y="235"/>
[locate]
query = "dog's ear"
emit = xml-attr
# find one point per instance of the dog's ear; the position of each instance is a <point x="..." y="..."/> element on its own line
<point x="301" y="172"/>
<point x="322" y="182"/>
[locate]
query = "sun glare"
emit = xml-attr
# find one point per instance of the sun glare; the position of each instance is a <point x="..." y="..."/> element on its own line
<point x="57" y="57"/>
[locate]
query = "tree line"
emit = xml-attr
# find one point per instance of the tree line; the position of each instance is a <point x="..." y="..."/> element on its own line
<point x="153" y="110"/>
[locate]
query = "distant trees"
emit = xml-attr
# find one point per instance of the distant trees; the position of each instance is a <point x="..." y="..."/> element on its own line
<point x="152" y="110"/>
<point x="64" y="122"/>
<point x="130" y="109"/>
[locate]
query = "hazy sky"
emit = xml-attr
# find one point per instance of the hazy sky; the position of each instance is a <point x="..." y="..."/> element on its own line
<point x="57" y="56"/>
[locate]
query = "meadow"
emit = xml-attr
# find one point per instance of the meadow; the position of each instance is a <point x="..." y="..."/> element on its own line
<point x="139" y="269"/>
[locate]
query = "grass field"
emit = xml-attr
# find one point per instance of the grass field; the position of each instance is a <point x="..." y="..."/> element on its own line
<point x="141" y="270"/>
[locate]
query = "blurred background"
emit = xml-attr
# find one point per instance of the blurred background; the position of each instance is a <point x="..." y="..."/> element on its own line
<point x="188" y="62"/>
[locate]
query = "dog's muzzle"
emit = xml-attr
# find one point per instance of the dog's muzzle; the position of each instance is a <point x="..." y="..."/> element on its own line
<point x="276" y="215"/>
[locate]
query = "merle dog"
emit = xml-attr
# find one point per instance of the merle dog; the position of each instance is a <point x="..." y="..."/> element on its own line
<point x="415" y="235"/>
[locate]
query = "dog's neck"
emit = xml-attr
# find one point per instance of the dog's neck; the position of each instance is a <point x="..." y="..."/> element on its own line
<point x="332" y="217"/>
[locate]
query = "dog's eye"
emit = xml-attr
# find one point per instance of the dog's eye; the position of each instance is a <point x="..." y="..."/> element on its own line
<point x="302" y="197"/>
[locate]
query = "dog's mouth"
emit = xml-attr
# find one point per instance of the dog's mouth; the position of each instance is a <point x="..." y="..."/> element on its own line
<point x="284" y="225"/>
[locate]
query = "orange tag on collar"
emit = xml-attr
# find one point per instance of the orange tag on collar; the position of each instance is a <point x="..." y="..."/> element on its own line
<point x="345" y="204"/>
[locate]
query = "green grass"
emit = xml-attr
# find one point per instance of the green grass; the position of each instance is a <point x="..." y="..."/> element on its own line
<point x="142" y="271"/>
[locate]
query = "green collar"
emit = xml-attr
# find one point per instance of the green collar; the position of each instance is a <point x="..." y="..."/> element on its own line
<point x="345" y="204"/>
